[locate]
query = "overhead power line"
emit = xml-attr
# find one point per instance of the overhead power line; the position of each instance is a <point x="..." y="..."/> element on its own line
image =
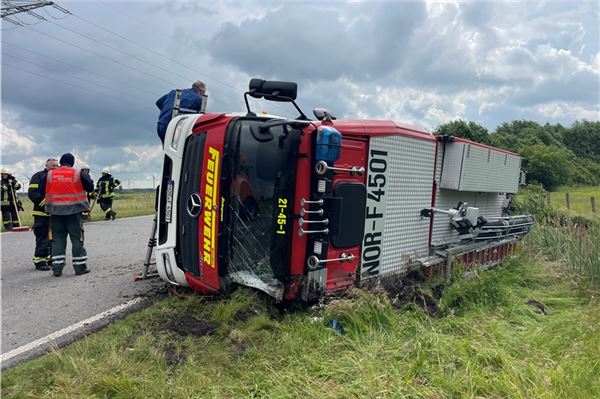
<point x="85" y="89"/>
<point x="87" y="81"/>
<point x="154" y="29"/>
<point x="170" y="71"/>
<point x="128" y="54"/>
<point x="154" y="52"/>
<point x="128" y="67"/>
<point x="236" y="99"/>
<point x="107" y="77"/>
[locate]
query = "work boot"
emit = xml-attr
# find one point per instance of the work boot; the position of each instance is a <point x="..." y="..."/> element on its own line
<point x="84" y="271"/>
<point x="42" y="266"/>
<point x="57" y="273"/>
<point x="113" y="215"/>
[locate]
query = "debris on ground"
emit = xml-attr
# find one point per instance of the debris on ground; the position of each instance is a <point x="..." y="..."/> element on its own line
<point x="538" y="306"/>
<point x="337" y="327"/>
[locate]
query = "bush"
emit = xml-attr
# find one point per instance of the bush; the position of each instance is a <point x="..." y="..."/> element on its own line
<point x="548" y="165"/>
<point x="533" y="200"/>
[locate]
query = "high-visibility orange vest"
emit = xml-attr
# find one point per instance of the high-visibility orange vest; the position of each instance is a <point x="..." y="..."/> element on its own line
<point x="64" y="192"/>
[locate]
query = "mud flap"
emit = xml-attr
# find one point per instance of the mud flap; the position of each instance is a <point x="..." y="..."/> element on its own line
<point x="315" y="284"/>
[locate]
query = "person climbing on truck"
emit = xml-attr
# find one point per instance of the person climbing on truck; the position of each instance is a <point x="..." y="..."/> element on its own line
<point x="179" y="101"/>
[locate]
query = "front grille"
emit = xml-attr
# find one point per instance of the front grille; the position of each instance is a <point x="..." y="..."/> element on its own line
<point x="166" y="178"/>
<point x="188" y="230"/>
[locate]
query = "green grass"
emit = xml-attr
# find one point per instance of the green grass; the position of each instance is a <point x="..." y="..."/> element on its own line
<point x="486" y="343"/>
<point x="486" y="340"/>
<point x="126" y="204"/>
<point x="576" y="247"/>
<point x="580" y="201"/>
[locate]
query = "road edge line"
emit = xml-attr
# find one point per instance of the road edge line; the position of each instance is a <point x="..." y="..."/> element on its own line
<point x="67" y="330"/>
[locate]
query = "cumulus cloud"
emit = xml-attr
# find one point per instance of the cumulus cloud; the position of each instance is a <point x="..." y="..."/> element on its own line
<point x="324" y="43"/>
<point x="418" y="62"/>
<point x="13" y="142"/>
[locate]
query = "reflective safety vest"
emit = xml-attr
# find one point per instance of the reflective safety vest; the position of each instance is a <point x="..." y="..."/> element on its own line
<point x="64" y="192"/>
<point x="106" y="186"/>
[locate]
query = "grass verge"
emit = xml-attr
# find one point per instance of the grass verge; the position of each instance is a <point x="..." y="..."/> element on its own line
<point x="521" y="331"/>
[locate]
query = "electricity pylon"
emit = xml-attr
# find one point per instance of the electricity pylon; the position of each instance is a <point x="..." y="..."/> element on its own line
<point x="16" y="7"/>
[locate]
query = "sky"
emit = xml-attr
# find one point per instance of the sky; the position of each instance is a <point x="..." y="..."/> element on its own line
<point x="87" y="82"/>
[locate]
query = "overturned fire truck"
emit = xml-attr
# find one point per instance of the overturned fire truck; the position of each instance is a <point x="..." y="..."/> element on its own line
<point x="298" y="208"/>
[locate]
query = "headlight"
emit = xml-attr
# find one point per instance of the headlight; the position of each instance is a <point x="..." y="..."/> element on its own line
<point x="177" y="134"/>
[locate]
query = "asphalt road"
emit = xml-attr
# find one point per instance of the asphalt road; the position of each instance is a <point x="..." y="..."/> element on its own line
<point x="36" y="304"/>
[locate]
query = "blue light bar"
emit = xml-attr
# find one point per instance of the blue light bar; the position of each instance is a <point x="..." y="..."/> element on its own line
<point x="329" y="144"/>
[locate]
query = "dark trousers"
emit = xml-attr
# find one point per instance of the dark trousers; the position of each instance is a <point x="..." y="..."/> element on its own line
<point x="106" y="206"/>
<point x="61" y="226"/>
<point x="41" y="227"/>
<point x="9" y="216"/>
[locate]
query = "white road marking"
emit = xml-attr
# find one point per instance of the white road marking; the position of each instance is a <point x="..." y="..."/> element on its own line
<point x="74" y="327"/>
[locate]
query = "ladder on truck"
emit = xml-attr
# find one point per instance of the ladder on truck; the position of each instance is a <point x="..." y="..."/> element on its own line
<point x="152" y="240"/>
<point x="177" y="110"/>
<point x="151" y="244"/>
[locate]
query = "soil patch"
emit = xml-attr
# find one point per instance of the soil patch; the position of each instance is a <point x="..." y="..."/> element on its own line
<point x="186" y="325"/>
<point x="172" y="357"/>
<point x="413" y="294"/>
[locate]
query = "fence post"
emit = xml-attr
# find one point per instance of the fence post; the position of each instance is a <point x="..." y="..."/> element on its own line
<point x="449" y="260"/>
<point x="568" y="200"/>
<point x="593" y="201"/>
<point x="548" y="197"/>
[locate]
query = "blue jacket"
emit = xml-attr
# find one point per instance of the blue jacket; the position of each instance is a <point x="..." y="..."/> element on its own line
<point x="189" y="99"/>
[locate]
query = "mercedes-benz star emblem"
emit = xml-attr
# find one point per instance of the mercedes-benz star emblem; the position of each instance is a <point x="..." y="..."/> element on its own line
<point x="194" y="205"/>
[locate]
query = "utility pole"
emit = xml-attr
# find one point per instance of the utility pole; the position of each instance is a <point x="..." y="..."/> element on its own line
<point x="16" y="7"/>
<point x="153" y="182"/>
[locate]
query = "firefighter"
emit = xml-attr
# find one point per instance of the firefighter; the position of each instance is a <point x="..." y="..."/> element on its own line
<point x="65" y="194"/>
<point x="9" y="201"/>
<point x="91" y="195"/>
<point x="191" y="101"/>
<point x="105" y="189"/>
<point x="41" y="220"/>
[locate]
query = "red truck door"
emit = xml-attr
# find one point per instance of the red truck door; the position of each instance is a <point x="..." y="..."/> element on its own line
<point x="347" y="215"/>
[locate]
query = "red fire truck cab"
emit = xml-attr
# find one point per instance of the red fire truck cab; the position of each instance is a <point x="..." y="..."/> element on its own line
<point x="298" y="208"/>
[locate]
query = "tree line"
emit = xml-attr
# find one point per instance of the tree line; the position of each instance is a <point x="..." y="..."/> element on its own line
<point x="556" y="155"/>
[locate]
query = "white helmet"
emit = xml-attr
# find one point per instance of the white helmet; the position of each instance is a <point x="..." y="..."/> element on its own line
<point x="85" y="166"/>
<point x="4" y="171"/>
<point x="105" y="170"/>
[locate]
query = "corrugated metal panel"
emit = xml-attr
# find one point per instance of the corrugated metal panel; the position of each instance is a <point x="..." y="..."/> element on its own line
<point x="452" y="167"/>
<point x="409" y="179"/>
<point x="479" y="169"/>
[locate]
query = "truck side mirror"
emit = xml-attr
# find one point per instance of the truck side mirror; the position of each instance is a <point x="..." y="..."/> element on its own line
<point x="273" y="90"/>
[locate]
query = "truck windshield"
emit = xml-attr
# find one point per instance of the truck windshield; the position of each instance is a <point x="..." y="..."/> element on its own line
<point x="259" y="207"/>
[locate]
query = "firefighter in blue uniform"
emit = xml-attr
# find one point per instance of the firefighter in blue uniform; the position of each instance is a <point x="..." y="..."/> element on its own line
<point x="191" y="101"/>
<point x="8" y="196"/>
<point x="105" y="188"/>
<point x="41" y="220"/>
